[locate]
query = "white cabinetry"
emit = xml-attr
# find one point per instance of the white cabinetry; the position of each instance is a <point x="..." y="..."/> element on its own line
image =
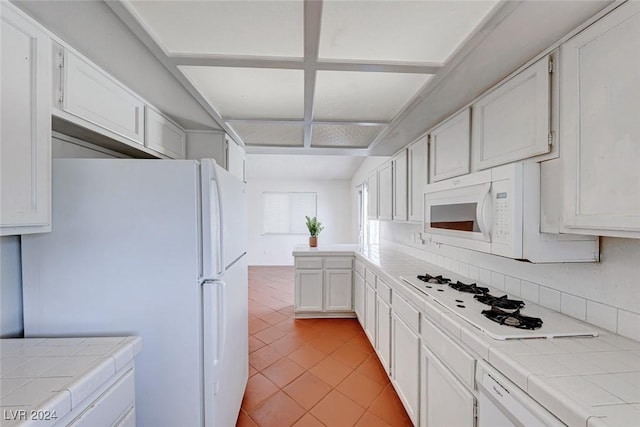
<point x="405" y="355"/>
<point x="236" y="159"/>
<point x="324" y="286"/>
<point x="163" y="135"/>
<point x="600" y="125"/>
<point x="450" y="147"/>
<point x="88" y="93"/>
<point x="399" y="167"/>
<point x="372" y="195"/>
<point x="445" y="401"/>
<point x="385" y="192"/>
<point x="383" y="324"/>
<point x="358" y="297"/>
<point x="370" y="307"/>
<point x="512" y="122"/>
<point x="25" y="126"/>
<point x="417" y="165"/>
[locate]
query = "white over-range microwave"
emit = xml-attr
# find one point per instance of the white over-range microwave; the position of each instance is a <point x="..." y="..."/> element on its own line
<point x="497" y="211"/>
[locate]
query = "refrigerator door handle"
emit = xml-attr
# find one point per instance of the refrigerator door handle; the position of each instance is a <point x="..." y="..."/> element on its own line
<point x="212" y="256"/>
<point x="215" y="330"/>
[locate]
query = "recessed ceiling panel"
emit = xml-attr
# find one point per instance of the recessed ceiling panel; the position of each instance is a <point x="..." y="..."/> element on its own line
<point x="270" y="134"/>
<point x="413" y="31"/>
<point x="239" y="28"/>
<point x="250" y="93"/>
<point x="350" y="136"/>
<point x="363" y="96"/>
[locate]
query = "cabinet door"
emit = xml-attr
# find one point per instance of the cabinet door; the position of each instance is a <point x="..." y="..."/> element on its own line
<point x="383" y="330"/>
<point x="370" y="315"/>
<point x="358" y="298"/>
<point x="25" y="141"/>
<point x="236" y="159"/>
<point x="512" y="122"/>
<point x="444" y="400"/>
<point x="338" y="288"/>
<point x="163" y="136"/>
<point x="449" y="153"/>
<point x="600" y="124"/>
<point x="385" y="192"/>
<point x="309" y="290"/>
<point x="405" y="368"/>
<point x="372" y="196"/>
<point x="417" y="164"/>
<point x="399" y="166"/>
<point x="92" y="95"/>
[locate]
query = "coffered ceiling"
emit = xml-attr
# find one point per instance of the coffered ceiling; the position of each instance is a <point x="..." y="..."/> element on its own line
<point x="313" y="76"/>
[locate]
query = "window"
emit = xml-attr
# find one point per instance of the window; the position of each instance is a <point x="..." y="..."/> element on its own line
<point x="283" y="213"/>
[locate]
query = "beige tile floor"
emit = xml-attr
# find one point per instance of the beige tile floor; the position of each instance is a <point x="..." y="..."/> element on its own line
<point x="310" y="372"/>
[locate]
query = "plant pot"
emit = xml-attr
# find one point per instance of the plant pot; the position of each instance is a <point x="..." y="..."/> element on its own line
<point x="313" y="242"/>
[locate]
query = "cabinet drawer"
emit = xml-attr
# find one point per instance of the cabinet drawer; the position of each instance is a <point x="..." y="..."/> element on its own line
<point x="111" y="405"/>
<point x="340" y="263"/>
<point x="406" y="312"/>
<point x="451" y="354"/>
<point x="307" y="262"/>
<point x="384" y="291"/>
<point x="370" y="278"/>
<point x="360" y="268"/>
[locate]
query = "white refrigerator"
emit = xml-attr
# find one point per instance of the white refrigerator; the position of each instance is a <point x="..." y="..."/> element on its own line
<point x="155" y="248"/>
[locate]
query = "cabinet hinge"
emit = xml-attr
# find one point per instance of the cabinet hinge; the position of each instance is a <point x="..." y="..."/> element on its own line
<point x="60" y="59"/>
<point x="60" y="96"/>
<point x="551" y="137"/>
<point x="551" y="65"/>
<point x="475" y="409"/>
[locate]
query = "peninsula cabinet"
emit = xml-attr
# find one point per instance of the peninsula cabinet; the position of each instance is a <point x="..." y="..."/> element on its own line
<point x="385" y="192"/>
<point x="399" y="196"/>
<point x="417" y="173"/>
<point x="25" y="124"/>
<point x="600" y="125"/>
<point x="513" y="121"/>
<point x="449" y="151"/>
<point x="372" y="195"/>
<point x="163" y="135"/>
<point x="324" y="286"/>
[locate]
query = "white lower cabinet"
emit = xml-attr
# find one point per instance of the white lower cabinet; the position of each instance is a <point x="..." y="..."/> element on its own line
<point x="358" y="297"/>
<point x="338" y="290"/>
<point x="383" y="330"/>
<point x="445" y="401"/>
<point x="324" y="286"/>
<point x="370" y="312"/>
<point x="309" y="286"/>
<point x="405" y="368"/>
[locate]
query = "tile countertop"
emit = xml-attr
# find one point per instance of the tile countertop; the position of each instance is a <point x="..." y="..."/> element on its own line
<point x="584" y="381"/>
<point x="57" y="374"/>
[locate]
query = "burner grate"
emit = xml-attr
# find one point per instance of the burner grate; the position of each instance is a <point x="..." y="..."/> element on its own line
<point x="434" y="279"/>
<point x="470" y="289"/>
<point x="514" y="319"/>
<point x="500" y="302"/>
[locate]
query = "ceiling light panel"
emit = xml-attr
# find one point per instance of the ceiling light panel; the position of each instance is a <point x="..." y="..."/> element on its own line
<point x="349" y="136"/>
<point x="270" y="134"/>
<point x="401" y="31"/>
<point x="363" y="96"/>
<point x="255" y="93"/>
<point x="239" y="28"/>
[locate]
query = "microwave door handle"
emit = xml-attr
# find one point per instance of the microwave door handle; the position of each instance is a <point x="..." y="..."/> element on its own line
<point x="483" y="213"/>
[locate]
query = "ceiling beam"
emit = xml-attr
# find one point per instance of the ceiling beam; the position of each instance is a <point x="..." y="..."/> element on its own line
<point x="378" y="67"/>
<point x="312" y="19"/>
<point x="328" y="151"/>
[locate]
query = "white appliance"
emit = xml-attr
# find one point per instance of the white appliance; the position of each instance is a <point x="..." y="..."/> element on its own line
<point x="154" y="248"/>
<point x="503" y="404"/>
<point x="498" y="211"/>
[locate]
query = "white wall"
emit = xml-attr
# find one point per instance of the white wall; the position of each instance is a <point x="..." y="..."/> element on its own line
<point x="11" y="324"/>
<point x="334" y="211"/>
<point x="606" y="293"/>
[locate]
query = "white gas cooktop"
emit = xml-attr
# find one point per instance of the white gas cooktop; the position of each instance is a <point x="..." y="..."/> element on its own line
<point x="468" y="308"/>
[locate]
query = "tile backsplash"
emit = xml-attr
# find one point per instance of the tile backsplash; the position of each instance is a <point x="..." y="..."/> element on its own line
<point x="606" y="294"/>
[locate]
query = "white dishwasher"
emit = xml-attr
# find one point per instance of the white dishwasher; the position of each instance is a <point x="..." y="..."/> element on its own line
<point x="502" y="404"/>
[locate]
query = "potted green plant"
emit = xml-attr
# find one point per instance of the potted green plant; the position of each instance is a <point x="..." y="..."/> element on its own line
<point x="315" y="227"/>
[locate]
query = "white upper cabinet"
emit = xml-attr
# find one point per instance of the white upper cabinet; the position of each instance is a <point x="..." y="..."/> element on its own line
<point x="90" y="94"/>
<point x="25" y="125"/>
<point x="399" y="166"/>
<point x="163" y="136"/>
<point x="600" y="125"/>
<point x="417" y="165"/>
<point x="236" y="159"/>
<point x="385" y="192"/>
<point x="512" y="122"/>
<point x="450" y="148"/>
<point x="372" y="195"/>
